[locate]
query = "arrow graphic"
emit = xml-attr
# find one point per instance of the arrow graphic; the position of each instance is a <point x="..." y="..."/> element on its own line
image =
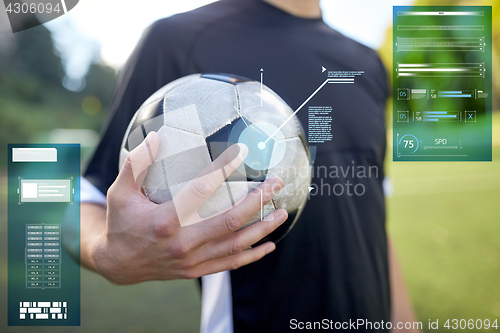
<point x="262" y="145"/>
<point x="261" y="83"/>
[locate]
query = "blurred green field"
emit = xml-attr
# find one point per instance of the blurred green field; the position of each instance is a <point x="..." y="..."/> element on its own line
<point x="443" y="219"/>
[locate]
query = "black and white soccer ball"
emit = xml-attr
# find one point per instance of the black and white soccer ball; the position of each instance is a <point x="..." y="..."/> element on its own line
<point x="197" y="117"/>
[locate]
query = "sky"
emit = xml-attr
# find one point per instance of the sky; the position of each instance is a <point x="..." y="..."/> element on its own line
<point x="110" y="29"/>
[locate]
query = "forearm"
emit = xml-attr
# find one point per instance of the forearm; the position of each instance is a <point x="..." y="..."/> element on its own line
<point x="401" y="309"/>
<point x="93" y="222"/>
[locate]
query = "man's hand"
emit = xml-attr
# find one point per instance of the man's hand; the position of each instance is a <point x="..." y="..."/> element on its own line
<point x="143" y="241"/>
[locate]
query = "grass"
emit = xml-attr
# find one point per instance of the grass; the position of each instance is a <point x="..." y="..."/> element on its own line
<point x="445" y="228"/>
<point x="443" y="219"/>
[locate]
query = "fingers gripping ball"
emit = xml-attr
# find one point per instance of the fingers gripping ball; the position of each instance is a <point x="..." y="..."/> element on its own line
<point x="197" y="118"/>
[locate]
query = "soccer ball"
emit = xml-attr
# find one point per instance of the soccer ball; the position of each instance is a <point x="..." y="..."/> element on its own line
<point x="199" y="116"/>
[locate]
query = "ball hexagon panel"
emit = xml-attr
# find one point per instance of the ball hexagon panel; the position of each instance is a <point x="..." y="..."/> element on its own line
<point x="215" y="101"/>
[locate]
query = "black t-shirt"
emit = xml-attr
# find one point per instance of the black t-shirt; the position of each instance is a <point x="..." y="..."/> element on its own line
<point x="333" y="264"/>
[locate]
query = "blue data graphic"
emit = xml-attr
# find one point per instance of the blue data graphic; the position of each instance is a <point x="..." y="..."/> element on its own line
<point x="442" y="83"/>
<point x="43" y="209"/>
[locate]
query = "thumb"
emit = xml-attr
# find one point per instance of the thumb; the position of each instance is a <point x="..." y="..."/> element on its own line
<point x="135" y="168"/>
